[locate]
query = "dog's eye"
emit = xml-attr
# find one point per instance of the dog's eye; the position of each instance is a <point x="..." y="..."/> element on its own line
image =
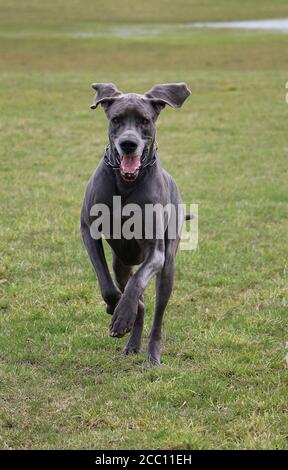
<point x="145" y="121"/>
<point x="116" y="121"/>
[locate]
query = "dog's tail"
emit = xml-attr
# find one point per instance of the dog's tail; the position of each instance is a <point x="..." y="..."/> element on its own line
<point x="189" y="216"/>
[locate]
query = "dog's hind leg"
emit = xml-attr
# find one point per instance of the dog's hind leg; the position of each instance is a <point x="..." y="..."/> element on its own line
<point x="126" y="311"/>
<point x="164" y="285"/>
<point x="122" y="272"/>
<point x="134" y="343"/>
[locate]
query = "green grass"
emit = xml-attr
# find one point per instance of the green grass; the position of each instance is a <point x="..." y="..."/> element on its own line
<point x="37" y="14"/>
<point x="64" y="382"/>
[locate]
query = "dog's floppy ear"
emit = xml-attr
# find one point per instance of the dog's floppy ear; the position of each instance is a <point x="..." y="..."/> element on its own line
<point x="173" y="94"/>
<point x="106" y="94"/>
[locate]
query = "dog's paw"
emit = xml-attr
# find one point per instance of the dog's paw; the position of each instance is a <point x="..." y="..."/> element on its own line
<point x="122" y="321"/>
<point x="154" y="353"/>
<point x="120" y="327"/>
<point x="131" y="349"/>
<point x="154" y="361"/>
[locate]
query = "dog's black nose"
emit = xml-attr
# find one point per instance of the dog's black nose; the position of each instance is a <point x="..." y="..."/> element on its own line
<point x="128" y="146"/>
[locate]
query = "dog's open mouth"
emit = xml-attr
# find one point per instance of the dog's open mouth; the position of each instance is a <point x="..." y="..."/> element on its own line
<point x="130" y="167"/>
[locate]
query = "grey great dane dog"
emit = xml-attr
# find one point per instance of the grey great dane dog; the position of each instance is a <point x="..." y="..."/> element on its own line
<point x="131" y="169"/>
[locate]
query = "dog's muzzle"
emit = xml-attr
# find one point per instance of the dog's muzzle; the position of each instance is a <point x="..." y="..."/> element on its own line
<point x="130" y="165"/>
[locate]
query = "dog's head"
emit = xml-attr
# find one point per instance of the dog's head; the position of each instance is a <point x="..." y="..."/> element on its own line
<point x="132" y="120"/>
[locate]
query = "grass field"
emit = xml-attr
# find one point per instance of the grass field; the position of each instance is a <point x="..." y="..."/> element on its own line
<point x="64" y="383"/>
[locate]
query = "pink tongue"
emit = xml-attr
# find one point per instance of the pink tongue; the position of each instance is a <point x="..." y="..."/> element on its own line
<point x="130" y="164"/>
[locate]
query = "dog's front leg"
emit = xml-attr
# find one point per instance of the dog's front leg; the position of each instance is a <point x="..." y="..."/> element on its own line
<point x="125" y="313"/>
<point x="111" y="295"/>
